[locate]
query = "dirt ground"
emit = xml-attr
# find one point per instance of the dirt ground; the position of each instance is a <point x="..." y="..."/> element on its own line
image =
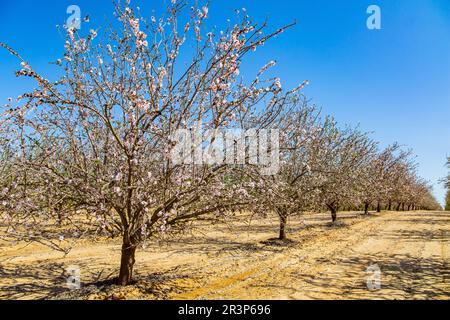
<point x="322" y="261"/>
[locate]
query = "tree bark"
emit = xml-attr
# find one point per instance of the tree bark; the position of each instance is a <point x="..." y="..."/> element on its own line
<point x="398" y="207"/>
<point x="283" y="222"/>
<point x="366" y="208"/>
<point x="333" y="215"/>
<point x="333" y="208"/>
<point x="127" y="263"/>
<point x="378" y="207"/>
<point x="60" y="218"/>
<point x="390" y="205"/>
<point x="403" y="207"/>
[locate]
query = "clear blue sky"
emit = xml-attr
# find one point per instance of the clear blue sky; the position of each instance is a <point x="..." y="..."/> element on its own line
<point x="394" y="81"/>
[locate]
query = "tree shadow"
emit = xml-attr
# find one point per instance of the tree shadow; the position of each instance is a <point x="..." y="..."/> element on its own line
<point x="216" y="246"/>
<point x="25" y="282"/>
<point x="45" y="280"/>
<point x="153" y="286"/>
<point x="439" y="235"/>
<point x="402" y="277"/>
<point x="424" y="220"/>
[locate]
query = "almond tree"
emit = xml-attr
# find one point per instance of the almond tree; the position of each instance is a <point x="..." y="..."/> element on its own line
<point x="293" y="189"/>
<point x="422" y="197"/>
<point x="98" y="140"/>
<point x="369" y="178"/>
<point x="343" y="155"/>
<point x="403" y="180"/>
<point x="375" y="183"/>
<point x="6" y="172"/>
<point x="409" y="191"/>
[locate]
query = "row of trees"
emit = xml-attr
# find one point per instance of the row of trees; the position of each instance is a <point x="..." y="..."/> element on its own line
<point x="93" y="148"/>
<point x="325" y="167"/>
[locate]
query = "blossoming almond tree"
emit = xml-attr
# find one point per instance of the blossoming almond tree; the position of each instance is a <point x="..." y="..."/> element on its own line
<point x="375" y="177"/>
<point x="6" y="171"/>
<point x="344" y="154"/>
<point x="403" y="178"/>
<point x="97" y="142"/>
<point x="292" y="190"/>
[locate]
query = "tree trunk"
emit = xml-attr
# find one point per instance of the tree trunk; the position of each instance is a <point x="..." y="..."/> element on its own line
<point x="403" y="207"/>
<point x="333" y="215"/>
<point x="333" y="208"/>
<point x="390" y="205"/>
<point x="366" y="208"/>
<point x="126" y="263"/>
<point x="378" y="207"/>
<point x="398" y="207"/>
<point x="60" y="218"/>
<point x="283" y="222"/>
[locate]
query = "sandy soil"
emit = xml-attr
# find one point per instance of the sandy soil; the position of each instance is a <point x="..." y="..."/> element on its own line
<point x="323" y="261"/>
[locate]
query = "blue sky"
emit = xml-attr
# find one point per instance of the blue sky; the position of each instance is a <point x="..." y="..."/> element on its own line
<point x="394" y="81"/>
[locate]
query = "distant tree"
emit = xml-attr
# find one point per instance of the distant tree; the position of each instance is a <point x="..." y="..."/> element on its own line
<point x="293" y="189"/>
<point x="385" y="164"/>
<point x="344" y="155"/>
<point x="6" y="170"/>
